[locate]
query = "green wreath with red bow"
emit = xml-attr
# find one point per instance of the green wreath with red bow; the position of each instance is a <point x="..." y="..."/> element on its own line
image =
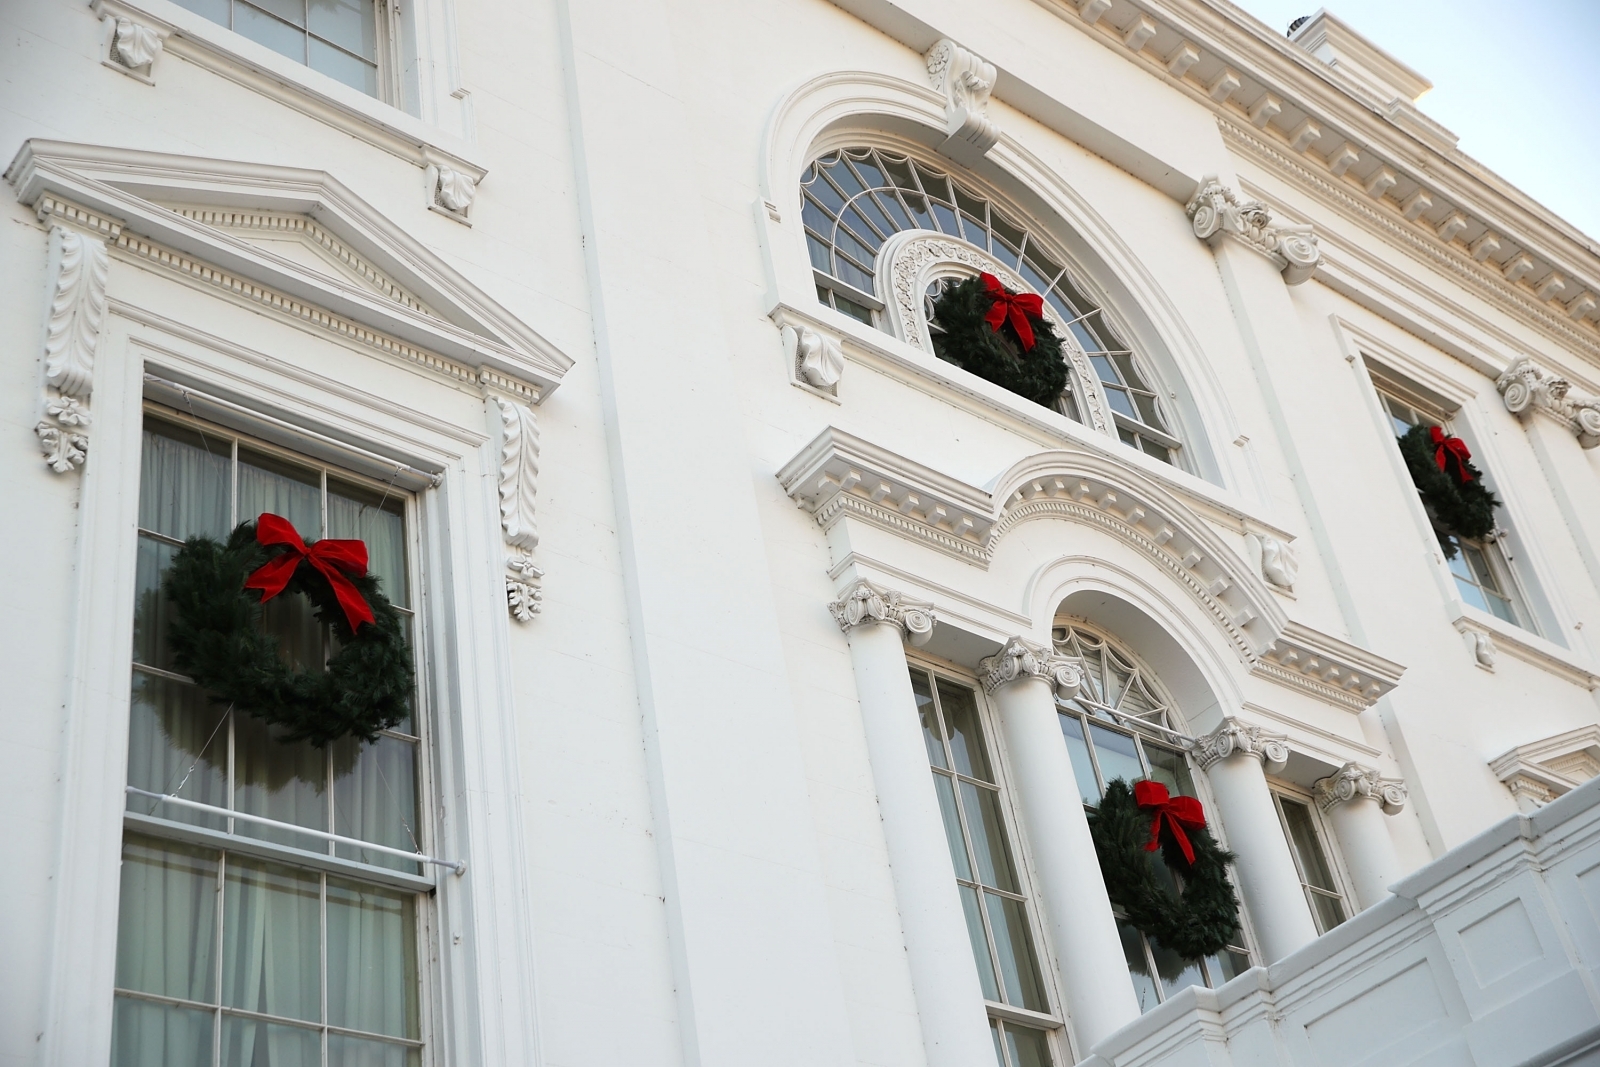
<point x="1001" y="336"/>
<point x="1452" y="489"/>
<point x="1128" y="828"/>
<point x="216" y="638"/>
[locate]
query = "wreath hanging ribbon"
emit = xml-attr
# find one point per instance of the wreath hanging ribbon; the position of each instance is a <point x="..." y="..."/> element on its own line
<point x="1448" y="452"/>
<point x="1015" y="306"/>
<point x="1179" y="814"/>
<point x="332" y="557"/>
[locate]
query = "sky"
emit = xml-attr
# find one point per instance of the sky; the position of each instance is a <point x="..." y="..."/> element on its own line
<point x="1519" y="83"/>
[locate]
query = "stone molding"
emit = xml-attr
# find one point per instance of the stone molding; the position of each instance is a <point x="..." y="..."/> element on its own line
<point x="519" y="472"/>
<point x="1020" y="660"/>
<point x="1235" y="738"/>
<point x="1355" y="780"/>
<point x="1216" y="212"/>
<point x="78" y="272"/>
<point x="965" y="80"/>
<point x="864" y="602"/>
<point x="1528" y="388"/>
<point x="1538" y="772"/>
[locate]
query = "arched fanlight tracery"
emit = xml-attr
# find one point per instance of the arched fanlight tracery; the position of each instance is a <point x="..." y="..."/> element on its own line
<point x="854" y="199"/>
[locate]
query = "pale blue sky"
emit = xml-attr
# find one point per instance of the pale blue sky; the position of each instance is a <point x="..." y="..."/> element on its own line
<point x="1519" y="83"/>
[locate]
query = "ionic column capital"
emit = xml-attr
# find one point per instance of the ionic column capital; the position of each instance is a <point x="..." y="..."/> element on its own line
<point x="1021" y="659"/>
<point x="866" y="603"/>
<point x="1233" y="737"/>
<point x="1356" y="780"/>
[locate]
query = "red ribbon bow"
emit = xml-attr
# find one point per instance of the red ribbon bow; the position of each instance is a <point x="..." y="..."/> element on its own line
<point x="1018" y="306"/>
<point x="329" y="556"/>
<point x="1448" y="451"/>
<point x="1176" y="812"/>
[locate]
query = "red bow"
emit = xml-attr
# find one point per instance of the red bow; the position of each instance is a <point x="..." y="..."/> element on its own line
<point x="1177" y="812"/>
<point x="1016" y="305"/>
<point x="1449" y="450"/>
<point x="329" y="556"/>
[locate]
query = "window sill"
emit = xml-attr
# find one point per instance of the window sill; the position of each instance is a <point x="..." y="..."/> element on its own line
<point x="1037" y="1019"/>
<point x="1525" y="645"/>
<point x="256" y="67"/>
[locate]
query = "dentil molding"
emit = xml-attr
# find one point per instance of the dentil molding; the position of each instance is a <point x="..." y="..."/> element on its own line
<point x="519" y="472"/>
<point x="864" y="602"/>
<point x="965" y="79"/>
<point x="79" y="267"/>
<point x="1020" y="660"/>
<point x="1355" y="780"/>
<point x="1528" y="388"/>
<point x="1217" y="213"/>
<point x="1235" y="738"/>
<point x="1540" y="771"/>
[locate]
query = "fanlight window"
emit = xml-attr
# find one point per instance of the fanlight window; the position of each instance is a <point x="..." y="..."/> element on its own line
<point x="854" y="199"/>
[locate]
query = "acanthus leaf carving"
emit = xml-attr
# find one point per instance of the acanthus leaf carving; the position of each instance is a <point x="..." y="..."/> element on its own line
<point x="134" y="45"/>
<point x="1355" y="780"/>
<point x="519" y="471"/>
<point x="523" y="596"/>
<point x="817" y="359"/>
<point x="451" y="191"/>
<point x="966" y="80"/>
<point x="1021" y="659"/>
<point x="1279" y="566"/>
<point x="1527" y="388"/>
<point x="864" y="602"/>
<point x="1233" y="737"/>
<point x="79" y="269"/>
<point x="1217" y="212"/>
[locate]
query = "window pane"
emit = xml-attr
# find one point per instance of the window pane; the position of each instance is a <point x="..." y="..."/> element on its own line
<point x="1118" y="757"/>
<point x="166" y="924"/>
<point x="184" y="486"/>
<point x="268" y="484"/>
<point x="177" y="743"/>
<point x="980" y="942"/>
<point x="342" y="66"/>
<point x="1329" y="912"/>
<point x="1303" y="836"/>
<point x="1028" y="1047"/>
<point x="994" y="1032"/>
<point x="960" y="709"/>
<point x="1169" y="768"/>
<point x="249" y="1043"/>
<point x="1176" y="972"/>
<point x="1015" y="946"/>
<point x="215" y="10"/>
<point x="1471" y="594"/>
<point x="264" y="29"/>
<point x="930" y="719"/>
<point x="347" y="23"/>
<point x="372" y="959"/>
<point x="379" y="520"/>
<point x="353" y="1052"/>
<point x="271" y="940"/>
<point x="952" y="826"/>
<point x="293" y="11"/>
<point x="982" y="809"/>
<point x="1144" y="986"/>
<point x="281" y="781"/>
<point x="152" y="612"/>
<point x="1082" y="768"/>
<point x="375" y="798"/>
<point x="145" y="1033"/>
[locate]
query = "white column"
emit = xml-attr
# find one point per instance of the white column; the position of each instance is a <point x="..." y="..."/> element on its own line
<point x="1024" y="679"/>
<point x="944" y="977"/>
<point x="1355" y="799"/>
<point x="1233" y="756"/>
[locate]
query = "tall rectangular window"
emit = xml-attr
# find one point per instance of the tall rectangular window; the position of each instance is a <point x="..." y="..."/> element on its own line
<point x="240" y="943"/>
<point x="1312" y="860"/>
<point x="348" y="40"/>
<point x="987" y="873"/>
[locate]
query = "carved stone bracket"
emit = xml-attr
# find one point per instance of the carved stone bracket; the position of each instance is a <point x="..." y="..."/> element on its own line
<point x="865" y="602"/>
<point x="1527" y="388"/>
<point x="966" y="80"/>
<point x="1021" y="659"/>
<point x="78" y="271"/>
<point x="1235" y="738"/>
<point x="1279" y="566"/>
<point x="1355" y="780"/>
<point x="818" y="360"/>
<point x="450" y="191"/>
<point x="519" y="471"/>
<point x="130" y="47"/>
<point x="1217" y="213"/>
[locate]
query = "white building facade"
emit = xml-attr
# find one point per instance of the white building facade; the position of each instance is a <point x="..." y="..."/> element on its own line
<point x="769" y="667"/>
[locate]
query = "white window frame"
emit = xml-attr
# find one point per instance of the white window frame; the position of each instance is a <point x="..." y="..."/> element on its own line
<point x="1325" y="840"/>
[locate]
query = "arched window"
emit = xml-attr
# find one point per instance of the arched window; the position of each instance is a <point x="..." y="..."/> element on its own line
<point x="856" y="198"/>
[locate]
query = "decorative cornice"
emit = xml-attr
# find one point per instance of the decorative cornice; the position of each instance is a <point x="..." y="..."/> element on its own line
<point x="1217" y="213"/>
<point x="1020" y="660"/>
<point x="1328" y="668"/>
<point x="864" y="602"/>
<point x="1355" y="780"/>
<point x="1540" y="771"/>
<point x="1527" y="388"/>
<point x="79" y="269"/>
<point x="1235" y="738"/>
<point x="519" y="472"/>
<point x="965" y="79"/>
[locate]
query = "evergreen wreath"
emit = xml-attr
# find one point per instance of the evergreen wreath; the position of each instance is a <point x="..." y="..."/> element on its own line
<point x="216" y="638"/>
<point x="1451" y="488"/>
<point x="964" y="336"/>
<point x="1205" y="918"/>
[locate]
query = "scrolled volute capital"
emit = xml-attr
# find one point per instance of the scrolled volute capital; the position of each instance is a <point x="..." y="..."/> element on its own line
<point x="1235" y="738"/>
<point x="1355" y="780"/>
<point x="1216" y="212"/>
<point x="1020" y="660"/>
<point x="866" y="603"/>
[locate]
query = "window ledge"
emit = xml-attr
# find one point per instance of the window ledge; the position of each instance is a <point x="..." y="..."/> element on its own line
<point x="256" y="67"/>
<point x="1524" y="645"/>
<point x="1010" y="1014"/>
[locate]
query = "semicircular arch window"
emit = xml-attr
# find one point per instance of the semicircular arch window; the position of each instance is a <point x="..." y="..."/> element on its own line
<point x="854" y="199"/>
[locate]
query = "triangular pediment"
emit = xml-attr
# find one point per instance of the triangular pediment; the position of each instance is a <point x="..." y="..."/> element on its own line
<point x="302" y="237"/>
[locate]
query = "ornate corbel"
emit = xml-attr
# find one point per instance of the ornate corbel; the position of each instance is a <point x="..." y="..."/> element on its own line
<point x="1021" y="659"/>
<point x="130" y="47"/>
<point x="966" y="80"/>
<point x="1279" y="566"/>
<point x="1527" y="388"/>
<point x="1235" y="738"/>
<point x="1217" y="212"/>
<point x="864" y="602"/>
<point x="817" y="359"/>
<point x="519" y="471"/>
<point x="1356" y="780"/>
<point x="79" y="267"/>
<point x="451" y="191"/>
